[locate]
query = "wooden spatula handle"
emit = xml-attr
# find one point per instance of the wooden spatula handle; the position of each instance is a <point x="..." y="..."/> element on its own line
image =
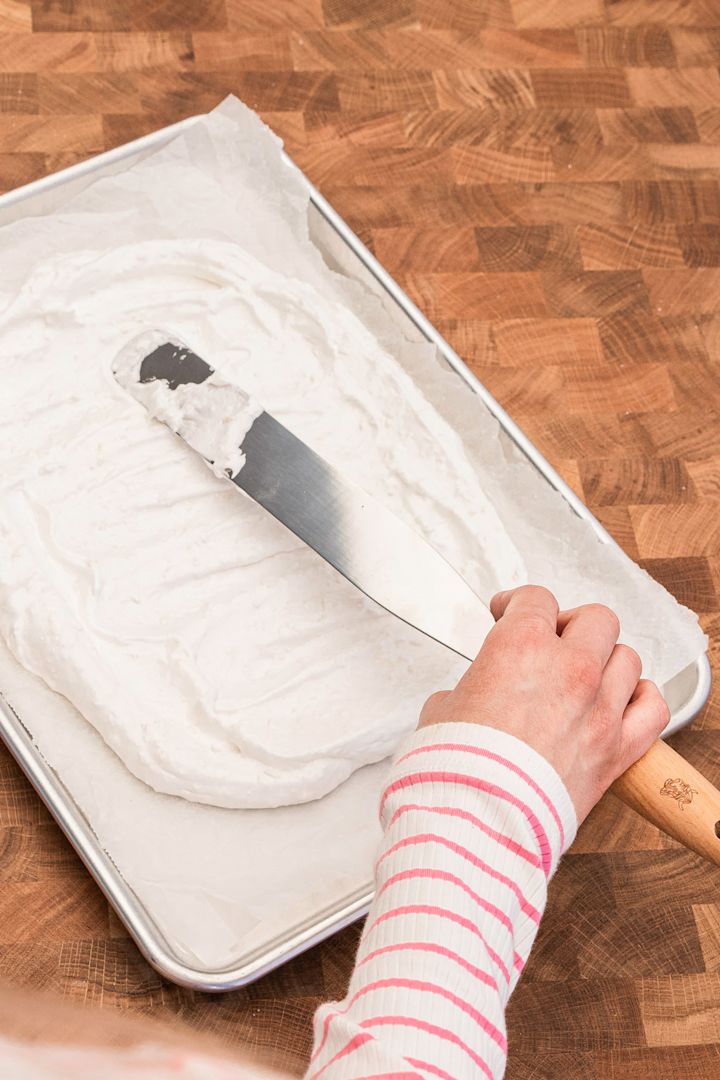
<point x="664" y="788"/>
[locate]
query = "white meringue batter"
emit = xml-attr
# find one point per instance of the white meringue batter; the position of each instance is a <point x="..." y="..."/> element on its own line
<point x="156" y="598"/>
<point x="219" y="657"/>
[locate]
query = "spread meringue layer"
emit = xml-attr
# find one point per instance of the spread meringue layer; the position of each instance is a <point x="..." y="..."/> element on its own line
<point x="219" y="657"/>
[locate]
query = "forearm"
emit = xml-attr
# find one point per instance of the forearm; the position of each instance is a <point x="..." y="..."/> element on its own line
<point x="474" y="824"/>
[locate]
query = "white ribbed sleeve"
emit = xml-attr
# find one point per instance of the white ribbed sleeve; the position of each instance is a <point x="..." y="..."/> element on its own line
<point x="474" y="822"/>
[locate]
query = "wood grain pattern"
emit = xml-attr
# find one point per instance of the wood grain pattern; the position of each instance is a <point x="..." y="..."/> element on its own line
<point x="544" y="178"/>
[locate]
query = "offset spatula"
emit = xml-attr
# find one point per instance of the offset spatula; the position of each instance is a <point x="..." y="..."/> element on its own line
<point x="369" y="545"/>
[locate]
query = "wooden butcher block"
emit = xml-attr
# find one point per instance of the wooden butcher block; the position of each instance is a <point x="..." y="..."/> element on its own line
<point x="543" y="176"/>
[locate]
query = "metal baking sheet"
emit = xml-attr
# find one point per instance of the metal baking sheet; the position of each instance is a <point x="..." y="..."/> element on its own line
<point x="686" y="693"/>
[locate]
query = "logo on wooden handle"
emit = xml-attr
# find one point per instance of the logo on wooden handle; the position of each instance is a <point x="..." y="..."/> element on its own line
<point x="678" y="790"/>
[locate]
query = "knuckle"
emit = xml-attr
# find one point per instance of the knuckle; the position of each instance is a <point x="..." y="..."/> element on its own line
<point x="630" y="657"/>
<point x="655" y="708"/>
<point x="538" y="593"/>
<point x="662" y="711"/>
<point x="532" y="631"/>
<point x="607" y="614"/>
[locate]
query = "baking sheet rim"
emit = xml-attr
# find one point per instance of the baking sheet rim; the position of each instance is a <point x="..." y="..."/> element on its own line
<point x="136" y="918"/>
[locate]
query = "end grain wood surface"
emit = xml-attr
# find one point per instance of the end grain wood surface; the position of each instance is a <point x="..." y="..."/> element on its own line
<point x="543" y="177"/>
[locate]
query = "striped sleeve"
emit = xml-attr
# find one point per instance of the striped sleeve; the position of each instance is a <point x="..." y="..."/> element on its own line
<point x="474" y="822"/>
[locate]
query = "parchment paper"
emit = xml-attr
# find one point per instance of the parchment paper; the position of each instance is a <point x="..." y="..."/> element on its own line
<point x="222" y="883"/>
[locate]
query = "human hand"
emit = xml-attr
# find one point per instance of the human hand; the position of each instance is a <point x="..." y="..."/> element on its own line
<point x="559" y="681"/>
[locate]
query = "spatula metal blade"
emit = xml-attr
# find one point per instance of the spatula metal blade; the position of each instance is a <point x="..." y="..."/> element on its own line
<point x="367" y="543"/>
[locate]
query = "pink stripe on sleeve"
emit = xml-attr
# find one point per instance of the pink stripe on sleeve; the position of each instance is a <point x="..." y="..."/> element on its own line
<point x="353" y="1044"/>
<point x="481" y="751"/>
<point x="470" y="840"/>
<point x="432" y="1029"/>
<point x="482" y="786"/>
<point x="432" y="1069"/>
<point x="392" y="1075"/>
<point x="480" y="864"/>
<point x="473" y="819"/>
<point x="453" y="879"/>
<point x="430" y="947"/>
<point x="424" y="987"/>
<point x="443" y="913"/>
